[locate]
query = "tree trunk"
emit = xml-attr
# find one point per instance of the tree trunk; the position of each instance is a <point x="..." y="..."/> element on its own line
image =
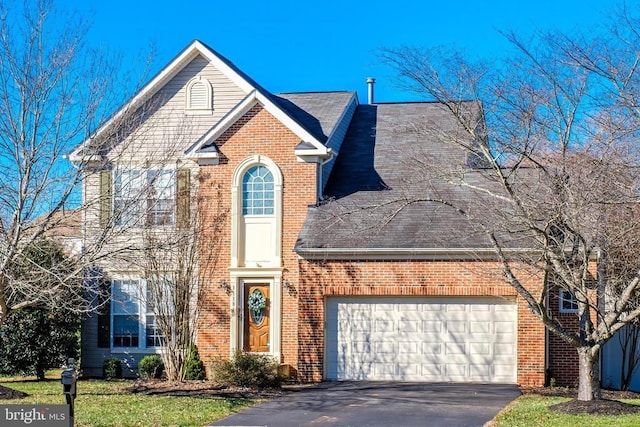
<point x="589" y="379"/>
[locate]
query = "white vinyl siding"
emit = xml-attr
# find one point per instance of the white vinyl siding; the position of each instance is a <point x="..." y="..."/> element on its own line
<point x="167" y="130"/>
<point x="421" y="339"/>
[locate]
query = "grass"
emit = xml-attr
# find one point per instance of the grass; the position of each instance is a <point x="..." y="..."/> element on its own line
<point x="532" y="411"/>
<point x="104" y="403"/>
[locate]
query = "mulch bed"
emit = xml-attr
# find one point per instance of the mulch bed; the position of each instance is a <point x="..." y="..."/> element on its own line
<point x="595" y="407"/>
<point x="7" y="393"/>
<point x="201" y="389"/>
<point x="608" y="405"/>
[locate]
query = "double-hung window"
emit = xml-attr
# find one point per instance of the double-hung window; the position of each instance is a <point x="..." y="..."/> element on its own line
<point x="134" y="322"/>
<point x="127" y="196"/>
<point x="145" y="194"/>
<point x="161" y="196"/>
<point x="568" y="302"/>
<point x="127" y="300"/>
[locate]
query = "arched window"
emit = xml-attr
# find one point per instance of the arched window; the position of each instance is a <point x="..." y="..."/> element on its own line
<point x="258" y="197"/>
<point x="199" y="97"/>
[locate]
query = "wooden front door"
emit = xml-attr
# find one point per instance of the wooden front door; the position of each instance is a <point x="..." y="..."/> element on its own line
<point x="256" y="317"/>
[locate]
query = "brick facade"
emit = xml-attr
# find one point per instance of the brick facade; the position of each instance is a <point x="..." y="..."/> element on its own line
<point x="320" y="279"/>
<point x="563" y="357"/>
<point x="302" y="340"/>
<point x="257" y="132"/>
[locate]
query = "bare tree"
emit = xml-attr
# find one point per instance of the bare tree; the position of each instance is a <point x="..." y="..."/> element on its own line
<point x="554" y="128"/>
<point x="54" y="91"/>
<point x="174" y="262"/>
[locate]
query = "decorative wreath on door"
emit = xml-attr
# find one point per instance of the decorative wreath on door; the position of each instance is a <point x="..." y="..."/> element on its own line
<point x="257" y="301"/>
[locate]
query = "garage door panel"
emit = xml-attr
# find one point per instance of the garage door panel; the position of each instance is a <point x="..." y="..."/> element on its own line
<point x="424" y="339"/>
<point x="504" y="349"/>
<point x="408" y="348"/>
<point x="384" y="307"/>
<point x="456" y="326"/>
<point x="480" y="371"/>
<point x="504" y="327"/>
<point x="408" y="325"/>
<point x="480" y="327"/>
<point x="432" y="348"/>
<point x="432" y="326"/>
<point x="386" y="347"/>
<point x="479" y="348"/>
<point x="384" y="325"/>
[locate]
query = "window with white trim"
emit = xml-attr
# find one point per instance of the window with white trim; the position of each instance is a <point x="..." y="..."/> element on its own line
<point x="568" y="302"/>
<point x="149" y="193"/>
<point x="258" y="195"/>
<point x="132" y="316"/>
<point x="161" y="196"/>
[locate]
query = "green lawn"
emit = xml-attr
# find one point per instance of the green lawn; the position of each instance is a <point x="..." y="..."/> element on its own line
<point x="103" y="403"/>
<point x="531" y="411"/>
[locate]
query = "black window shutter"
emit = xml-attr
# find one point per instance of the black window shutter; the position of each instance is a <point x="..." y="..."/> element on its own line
<point x="104" y="315"/>
<point x="182" y="197"/>
<point x="106" y="197"/>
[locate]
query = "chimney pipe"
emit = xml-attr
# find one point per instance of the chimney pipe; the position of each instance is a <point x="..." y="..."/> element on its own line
<point x="370" y="83"/>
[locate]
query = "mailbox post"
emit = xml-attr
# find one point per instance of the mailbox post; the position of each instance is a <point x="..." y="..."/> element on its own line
<point x="68" y="379"/>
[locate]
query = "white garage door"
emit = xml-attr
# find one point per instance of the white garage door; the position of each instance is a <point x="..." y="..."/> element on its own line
<point x="421" y="339"/>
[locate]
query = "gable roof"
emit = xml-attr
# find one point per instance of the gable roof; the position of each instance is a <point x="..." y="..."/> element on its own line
<point x="314" y="114"/>
<point x="255" y="93"/>
<point x="393" y="160"/>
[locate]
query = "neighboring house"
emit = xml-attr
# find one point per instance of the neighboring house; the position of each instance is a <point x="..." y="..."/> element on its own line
<point x="65" y="227"/>
<point x="355" y="288"/>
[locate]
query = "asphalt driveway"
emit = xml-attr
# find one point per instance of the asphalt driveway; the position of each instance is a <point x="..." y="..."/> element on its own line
<point x="380" y="404"/>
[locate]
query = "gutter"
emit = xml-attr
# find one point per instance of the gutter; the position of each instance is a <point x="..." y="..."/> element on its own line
<point x="401" y="253"/>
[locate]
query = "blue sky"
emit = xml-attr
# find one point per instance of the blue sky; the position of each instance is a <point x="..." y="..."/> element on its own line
<point x="290" y="46"/>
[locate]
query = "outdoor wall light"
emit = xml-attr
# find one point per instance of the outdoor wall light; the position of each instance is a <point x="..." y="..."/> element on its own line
<point x="289" y="287"/>
<point x="224" y="285"/>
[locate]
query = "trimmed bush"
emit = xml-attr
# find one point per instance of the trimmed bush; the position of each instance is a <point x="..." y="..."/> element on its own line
<point x="193" y="366"/>
<point x="150" y="367"/>
<point x="35" y="339"/>
<point x="247" y="370"/>
<point x="112" y="368"/>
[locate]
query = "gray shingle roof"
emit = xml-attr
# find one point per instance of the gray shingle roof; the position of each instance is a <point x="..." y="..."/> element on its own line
<point x="393" y="159"/>
<point x="317" y="112"/>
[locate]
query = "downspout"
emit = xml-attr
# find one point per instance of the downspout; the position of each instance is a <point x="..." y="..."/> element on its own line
<point x="319" y="176"/>
<point x="547" y="370"/>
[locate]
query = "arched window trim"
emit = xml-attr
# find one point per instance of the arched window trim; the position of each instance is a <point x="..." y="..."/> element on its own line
<point x="203" y="109"/>
<point x="236" y="206"/>
<point x="264" y="210"/>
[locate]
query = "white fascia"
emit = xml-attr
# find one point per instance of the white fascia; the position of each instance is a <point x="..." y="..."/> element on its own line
<point x="316" y="150"/>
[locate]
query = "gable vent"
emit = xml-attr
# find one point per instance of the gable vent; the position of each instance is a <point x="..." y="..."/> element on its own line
<point x="199" y="95"/>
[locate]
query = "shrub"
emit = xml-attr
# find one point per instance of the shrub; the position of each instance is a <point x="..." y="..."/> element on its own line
<point x="112" y="368"/>
<point x="247" y="370"/>
<point x="150" y="367"/>
<point x="193" y="366"/>
<point x="35" y="339"/>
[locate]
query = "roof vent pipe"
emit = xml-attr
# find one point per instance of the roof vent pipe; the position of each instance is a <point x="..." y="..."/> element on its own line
<point x="370" y="83"/>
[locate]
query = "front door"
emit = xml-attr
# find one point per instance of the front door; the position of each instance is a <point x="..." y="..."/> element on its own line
<point x="256" y="318"/>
